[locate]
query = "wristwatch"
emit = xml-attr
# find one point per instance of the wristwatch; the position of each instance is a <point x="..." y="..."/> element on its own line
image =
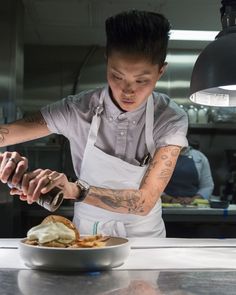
<point x="84" y="189"/>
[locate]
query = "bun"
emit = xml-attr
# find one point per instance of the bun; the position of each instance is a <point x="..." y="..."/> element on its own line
<point x="65" y="221"/>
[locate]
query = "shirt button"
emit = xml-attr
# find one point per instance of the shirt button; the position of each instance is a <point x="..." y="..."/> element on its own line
<point x="110" y="119"/>
<point x="122" y="133"/>
<point x="134" y="122"/>
<point x="121" y="117"/>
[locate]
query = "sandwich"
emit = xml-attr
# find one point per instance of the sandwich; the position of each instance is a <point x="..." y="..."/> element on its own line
<point x="58" y="231"/>
<point x="54" y="231"/>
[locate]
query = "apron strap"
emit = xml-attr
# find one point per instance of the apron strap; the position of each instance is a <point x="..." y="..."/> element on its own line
<point x="149" y="126"/>
<point x="93" y="132"/>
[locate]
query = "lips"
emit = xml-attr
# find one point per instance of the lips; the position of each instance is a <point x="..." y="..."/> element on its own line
<point x="127" y="100"/>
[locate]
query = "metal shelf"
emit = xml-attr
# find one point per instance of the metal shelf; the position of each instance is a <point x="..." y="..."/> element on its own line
<point x="213" y="128"/>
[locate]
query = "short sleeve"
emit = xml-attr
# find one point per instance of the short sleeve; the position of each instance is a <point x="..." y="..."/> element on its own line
<point x="171" y="123"/>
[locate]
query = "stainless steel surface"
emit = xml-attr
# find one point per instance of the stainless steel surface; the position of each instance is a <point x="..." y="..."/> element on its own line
<point x="136" y="282"/>
<point x="85" y="259"/>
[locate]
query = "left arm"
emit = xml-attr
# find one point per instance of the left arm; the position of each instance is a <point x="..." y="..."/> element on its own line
<point x="134" y="201"/>
<point x="139" y="201"/>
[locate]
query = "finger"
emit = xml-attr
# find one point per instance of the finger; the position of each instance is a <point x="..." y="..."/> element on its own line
<point x="26" y="178"/>
<point x="32" y="195"/>
<point x="23" y="197"/>
<point x="15" y="191"/>
<point x="12" y="167"/>
<point x="20" y="169"/>
<point x="29" y="183"/>
<point x="45" y="184"/>
<point x="41" y="180"/>
<point x="53" y="179"/>
<point x="6" y="167"/>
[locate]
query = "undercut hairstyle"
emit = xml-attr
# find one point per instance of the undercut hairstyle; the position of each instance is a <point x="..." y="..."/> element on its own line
<point x="138" y="32"/>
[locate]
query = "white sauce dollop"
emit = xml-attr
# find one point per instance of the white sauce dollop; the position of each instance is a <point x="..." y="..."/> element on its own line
<point x="51" y="231"/>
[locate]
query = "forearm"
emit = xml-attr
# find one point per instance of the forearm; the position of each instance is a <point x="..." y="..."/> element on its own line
<point x="121" y="201"/>
<point x="138" y="201"/>
<point x="29" y="128"/>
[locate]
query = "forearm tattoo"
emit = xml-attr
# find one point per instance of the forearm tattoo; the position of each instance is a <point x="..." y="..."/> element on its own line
<point x="131" y="201"/>
<point x="167" y="161"/>
<point x="35" y="118"/>
<point x="3" y="132"/>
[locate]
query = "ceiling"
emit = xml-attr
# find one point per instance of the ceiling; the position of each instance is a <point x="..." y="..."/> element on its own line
<point x="81" y="22"/>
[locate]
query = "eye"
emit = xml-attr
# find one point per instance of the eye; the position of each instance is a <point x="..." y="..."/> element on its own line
<point x="142" y="81"/>
<point x="116" y="77"/>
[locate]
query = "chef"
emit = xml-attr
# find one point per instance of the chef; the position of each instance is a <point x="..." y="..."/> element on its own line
<point x="191" y="179"/>
<point x="125" y="138"/>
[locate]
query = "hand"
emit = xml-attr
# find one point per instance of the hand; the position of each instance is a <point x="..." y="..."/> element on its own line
<point x="187" y="200"/>
<point x="170" y="199"/>
<point x="178" y="200"/>
<point x="12" y="167"/>
<point x="42" y="181"/>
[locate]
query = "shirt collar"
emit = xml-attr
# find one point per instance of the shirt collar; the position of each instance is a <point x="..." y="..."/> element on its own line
<point x="111" y="110"/>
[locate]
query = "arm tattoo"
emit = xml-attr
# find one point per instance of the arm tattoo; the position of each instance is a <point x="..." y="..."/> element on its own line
<point x="35" y="118"/>
<point x="130" y="200"/>
<point x="167" y="160"/>
<point x="3" y="132"/>
<point x="149" y="169"/>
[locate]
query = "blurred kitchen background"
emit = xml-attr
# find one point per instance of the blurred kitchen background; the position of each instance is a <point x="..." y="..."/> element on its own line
<point x="54" y="48"/>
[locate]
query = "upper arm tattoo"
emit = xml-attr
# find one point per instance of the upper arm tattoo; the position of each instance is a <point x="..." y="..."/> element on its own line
<point x="166" y="161"/>
<point x="35" y="118"/>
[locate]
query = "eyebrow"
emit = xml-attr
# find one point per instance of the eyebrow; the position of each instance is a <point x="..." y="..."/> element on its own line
<point x="143" y="74"/>
<point x="136" y="76"/>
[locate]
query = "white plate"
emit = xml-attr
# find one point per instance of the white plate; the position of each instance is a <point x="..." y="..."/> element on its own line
<point x="84" y="259"/>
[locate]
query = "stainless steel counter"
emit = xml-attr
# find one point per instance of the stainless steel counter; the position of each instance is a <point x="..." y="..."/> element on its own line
<point x="144" y="282"/>
<point x="169" y="214"/>
<point x="186" y="214"/>
<point x="154" y="267"/>
<point x="194" y="222"/>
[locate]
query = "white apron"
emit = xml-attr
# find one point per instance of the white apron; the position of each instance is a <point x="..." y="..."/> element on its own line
<point x="106" y="171"/>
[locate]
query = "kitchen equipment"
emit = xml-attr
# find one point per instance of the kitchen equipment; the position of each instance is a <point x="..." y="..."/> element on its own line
<point x="192" y="114"/>
<point x="81" y="259"/>
<point x="221" y="204"/>
<point x="202" y="115"/>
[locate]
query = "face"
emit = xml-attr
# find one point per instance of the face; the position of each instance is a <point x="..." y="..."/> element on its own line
<point x="131" y="79"/>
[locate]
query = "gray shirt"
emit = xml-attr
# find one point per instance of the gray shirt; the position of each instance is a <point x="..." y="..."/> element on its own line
<point x="121" y="134"/>
<point x="206" y="184"/>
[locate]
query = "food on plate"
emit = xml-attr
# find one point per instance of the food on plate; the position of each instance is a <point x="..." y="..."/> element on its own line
<point x="199" y="202"/>
<point x="58" y="231"/>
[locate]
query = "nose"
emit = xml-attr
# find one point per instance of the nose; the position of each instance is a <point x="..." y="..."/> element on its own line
<point x="127" y="89"/>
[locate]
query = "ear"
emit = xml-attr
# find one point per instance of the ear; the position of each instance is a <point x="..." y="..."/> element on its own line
<point x="162" y="69"/>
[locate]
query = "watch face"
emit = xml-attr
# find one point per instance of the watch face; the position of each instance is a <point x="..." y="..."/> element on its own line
<point x="83" y="185"/>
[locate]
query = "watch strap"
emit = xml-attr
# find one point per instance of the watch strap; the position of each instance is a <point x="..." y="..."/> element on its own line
<point x="84" y="189"/>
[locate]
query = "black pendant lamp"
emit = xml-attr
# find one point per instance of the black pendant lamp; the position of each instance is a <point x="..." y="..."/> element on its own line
<point x="213" y="80"/>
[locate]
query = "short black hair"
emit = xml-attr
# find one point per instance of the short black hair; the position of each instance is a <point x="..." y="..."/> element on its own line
<point x="138" y="32"/>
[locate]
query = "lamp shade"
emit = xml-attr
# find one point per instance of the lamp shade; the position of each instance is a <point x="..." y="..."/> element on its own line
<point x="213" y="80"/>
